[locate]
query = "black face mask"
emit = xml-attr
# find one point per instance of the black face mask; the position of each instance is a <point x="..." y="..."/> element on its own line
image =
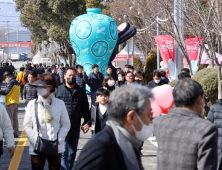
<point x="71" y="81"/>
<point x="139" y="81"/>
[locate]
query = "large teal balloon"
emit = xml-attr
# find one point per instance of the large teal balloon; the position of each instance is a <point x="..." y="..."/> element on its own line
<point x="93" y="37"/>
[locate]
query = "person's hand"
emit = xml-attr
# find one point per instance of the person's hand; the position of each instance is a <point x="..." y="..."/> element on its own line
<point x="83" y="73"/>
<point x="11" y="151"/>
<point x="85" y="128"/>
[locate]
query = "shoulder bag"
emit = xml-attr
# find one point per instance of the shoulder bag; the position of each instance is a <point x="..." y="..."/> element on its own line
<point x="43" y="146"/>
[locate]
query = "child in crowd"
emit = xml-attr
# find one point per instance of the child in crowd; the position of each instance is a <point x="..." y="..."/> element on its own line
<point x="29" y="91"/>
<point x="140" y="78"/>
<point x="121" y="79"/>
<point x="99" y="114"/>
<point x="109" y="83"/>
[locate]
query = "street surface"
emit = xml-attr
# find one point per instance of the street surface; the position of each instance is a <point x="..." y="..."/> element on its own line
<point x="22" y="160"/>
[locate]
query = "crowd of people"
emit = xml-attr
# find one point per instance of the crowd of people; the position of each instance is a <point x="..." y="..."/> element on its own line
<point x="120" y="118"/>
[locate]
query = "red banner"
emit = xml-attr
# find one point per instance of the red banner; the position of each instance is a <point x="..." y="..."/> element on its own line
<point x="15" y="44"/>
<point x="192" y="46"/>
<point x="166" y="46"/>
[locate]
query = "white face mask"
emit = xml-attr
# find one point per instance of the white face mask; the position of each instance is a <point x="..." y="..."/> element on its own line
<point x="41" y="91"/>
<point x="157" y="81"/>
<point x="120" y="78"/>
<point x="117" y="72"/>
<point x="146" y="131"/>
<point x="111" y="82"/>
<point x="131" y="70"/>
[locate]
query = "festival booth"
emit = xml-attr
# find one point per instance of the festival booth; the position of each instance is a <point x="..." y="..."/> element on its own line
<point x="121" y="58"/>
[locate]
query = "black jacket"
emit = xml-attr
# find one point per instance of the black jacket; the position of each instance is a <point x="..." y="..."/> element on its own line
<point x="30" y="93"/>
<point x="94" y="114"/>
<point x="152" y="84"/>
<point x="76" y="104"/>
<point x="82" y="81"/>
<point x="102" y="152"/>
<point x="41" y="70"/>
<point x="95" y="83"/>
<point x="215" y="116"/>
<point x="8" y="69"/>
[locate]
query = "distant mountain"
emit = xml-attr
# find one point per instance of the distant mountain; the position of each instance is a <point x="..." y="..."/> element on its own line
<point x="10" y="16"/>
<point x="23" y="36"/>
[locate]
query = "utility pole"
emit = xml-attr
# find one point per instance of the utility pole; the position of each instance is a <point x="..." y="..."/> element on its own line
<point x="133" y="51"/>
<point x="157" y="48"/>
<point x="7" y="40"/>
<point x="17" y="38"/>
<point x="178" y="19"/>
<point x="128" y="53"/>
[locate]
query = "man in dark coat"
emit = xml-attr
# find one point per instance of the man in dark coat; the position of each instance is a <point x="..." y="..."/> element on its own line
<point x="54" y="73"/>
<point x="77" y="106"/>
<point x="117" y="145"/>
<point x="1" y="75"/>
<point x="7" y="68"/>
<point x="215" y="116"/>
<point x="185" y="140"/>
<point x="95" y="80"/>
<point x="81" y="77"/>
<point x="41" y="69"/>
<point x="157" y="81"/>
<point x="30" y="92"/>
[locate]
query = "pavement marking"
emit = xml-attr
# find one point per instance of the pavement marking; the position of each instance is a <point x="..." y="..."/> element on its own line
<point x="14" y="164"/>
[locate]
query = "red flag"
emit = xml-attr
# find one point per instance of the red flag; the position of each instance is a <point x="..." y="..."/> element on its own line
<point x="166" y="46"/>
<point x="192" y="47"/>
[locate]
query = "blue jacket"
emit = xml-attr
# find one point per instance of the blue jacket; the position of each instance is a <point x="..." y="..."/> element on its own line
<point x="93" y="82"/>
<point x="165" y="79"/>
<point x="215" y="116"/>
<point x="82" y="81"/>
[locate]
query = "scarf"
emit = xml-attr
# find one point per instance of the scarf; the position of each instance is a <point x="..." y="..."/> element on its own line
<point x="46" y="104"/>
<point x="127" y="143"/>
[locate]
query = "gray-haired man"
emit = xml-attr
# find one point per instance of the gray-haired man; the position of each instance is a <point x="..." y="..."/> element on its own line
<point x="116" y="147"/>
<point x="185" y="140"/>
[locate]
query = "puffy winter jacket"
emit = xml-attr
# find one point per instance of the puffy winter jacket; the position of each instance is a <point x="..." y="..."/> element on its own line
<point x="95" y="83"/>
<point x="59" y="125"/>
<point x="215" y="116"/>
<point x="76" y="104"/>
<point x="6" y="127"/>
<point x="11" y="93"/>
<point x="30" y="93"/>
<point x="82" y="81"/>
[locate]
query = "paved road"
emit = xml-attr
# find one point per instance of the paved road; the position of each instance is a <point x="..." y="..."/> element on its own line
<point x="149" y="150"/>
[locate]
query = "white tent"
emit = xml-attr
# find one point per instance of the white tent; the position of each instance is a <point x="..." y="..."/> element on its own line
<point x="38" y="55"/>
<point x="122" y="56"/>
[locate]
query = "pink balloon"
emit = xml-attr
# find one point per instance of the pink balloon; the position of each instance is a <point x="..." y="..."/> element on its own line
<point x="155" y="108"/>
<point x="163" y="95"/>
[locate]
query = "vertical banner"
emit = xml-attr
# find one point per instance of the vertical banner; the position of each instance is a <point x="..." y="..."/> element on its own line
<point x="166" y="47"/>
<point x="192" y="47"/>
